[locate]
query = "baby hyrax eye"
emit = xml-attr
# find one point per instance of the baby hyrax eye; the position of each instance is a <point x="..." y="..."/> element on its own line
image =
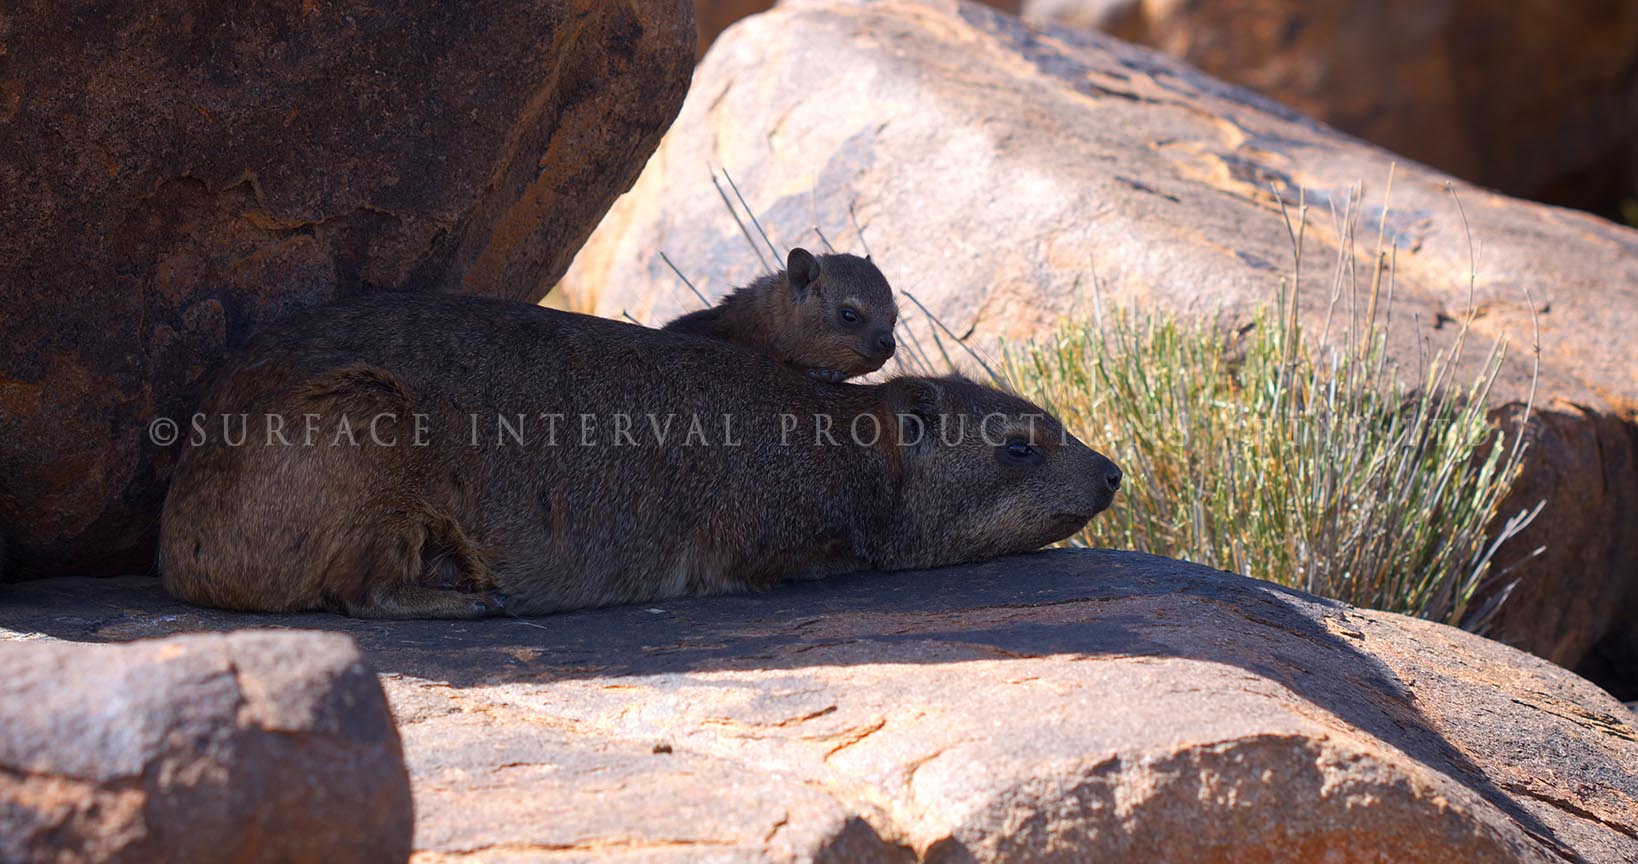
<point x="850" y="315"/>
<point x="1018" y="451"/>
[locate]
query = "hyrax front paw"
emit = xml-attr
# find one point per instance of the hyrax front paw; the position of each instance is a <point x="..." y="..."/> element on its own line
<point x="489" y="603"/>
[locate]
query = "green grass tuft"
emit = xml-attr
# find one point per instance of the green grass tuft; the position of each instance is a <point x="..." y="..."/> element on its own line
<point x="1312" y="467"/>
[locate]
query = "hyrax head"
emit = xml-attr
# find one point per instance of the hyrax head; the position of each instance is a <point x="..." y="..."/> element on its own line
<point x="844" y="315"/>
<point x="991" y="474"/>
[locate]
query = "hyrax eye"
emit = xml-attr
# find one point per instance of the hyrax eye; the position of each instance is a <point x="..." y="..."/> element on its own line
<point x="849" y="316"/>
<point x="1018" y="451"/>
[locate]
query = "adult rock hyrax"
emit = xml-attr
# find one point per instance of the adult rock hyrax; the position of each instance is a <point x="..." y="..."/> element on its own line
<point x="831" y="317"/>
<point x="441" y="456"/>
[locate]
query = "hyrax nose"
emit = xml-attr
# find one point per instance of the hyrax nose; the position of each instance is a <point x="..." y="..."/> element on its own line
<point x="885" y="343"/>
<point x="1112" y="477"/>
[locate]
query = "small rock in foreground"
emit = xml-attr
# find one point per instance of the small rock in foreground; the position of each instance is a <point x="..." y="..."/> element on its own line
<point x="252" y="746"/>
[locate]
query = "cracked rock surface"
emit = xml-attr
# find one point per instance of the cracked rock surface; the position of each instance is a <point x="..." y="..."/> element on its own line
<point x="1068" y="705"/>
<point x="1534" y="99"/>
<point x="999" y="171"/>
<point x="252" y="746"/>
<point x="174" y="173"/>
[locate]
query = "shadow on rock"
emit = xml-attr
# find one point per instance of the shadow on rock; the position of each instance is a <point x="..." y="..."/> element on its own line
<point x="1089" y="605"/>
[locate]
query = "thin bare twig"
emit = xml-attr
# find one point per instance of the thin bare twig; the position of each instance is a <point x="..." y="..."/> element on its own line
<point x="684" y="279"/>
<point x="751" y="213"/>
<point x="755" y="249"/>
<point x="825" y="240"/>
<point x="857" y="231"/>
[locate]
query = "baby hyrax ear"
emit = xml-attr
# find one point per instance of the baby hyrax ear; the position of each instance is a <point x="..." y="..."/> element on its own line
<point x="802" y="271"/>
<point x="918" y="405"/>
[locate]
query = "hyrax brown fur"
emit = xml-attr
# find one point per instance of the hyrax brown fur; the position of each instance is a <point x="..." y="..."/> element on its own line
<point x="831" y="316"/>
<point x="399" y="460"/>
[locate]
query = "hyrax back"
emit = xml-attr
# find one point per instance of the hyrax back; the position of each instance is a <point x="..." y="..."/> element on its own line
<point x="831" y="316"/>
<point x="445" y="456"/>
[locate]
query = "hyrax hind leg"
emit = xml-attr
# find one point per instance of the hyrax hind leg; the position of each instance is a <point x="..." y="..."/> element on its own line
<point x="340" y="518"/>
<point x="402" y="600"/>
<point x="423" y="567"/>
<point x="383" y="544"/>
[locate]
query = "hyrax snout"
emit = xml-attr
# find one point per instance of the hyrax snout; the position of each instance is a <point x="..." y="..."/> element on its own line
<point x="831" y="316"/>
<point x="456" y="457"/>
<point x="994" y="475"/>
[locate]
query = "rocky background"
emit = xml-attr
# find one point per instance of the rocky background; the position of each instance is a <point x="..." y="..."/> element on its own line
<point x="174" y="174"/>
<point x="998" y="168"/>
<point x="1537" y="100"/>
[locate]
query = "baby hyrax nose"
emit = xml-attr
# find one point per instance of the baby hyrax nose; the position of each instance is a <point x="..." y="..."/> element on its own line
<point x="885" y="343"/>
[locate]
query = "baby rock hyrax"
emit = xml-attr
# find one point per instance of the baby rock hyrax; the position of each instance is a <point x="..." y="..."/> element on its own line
<point x="831" y="316"/>
<point x="453" y="456"/>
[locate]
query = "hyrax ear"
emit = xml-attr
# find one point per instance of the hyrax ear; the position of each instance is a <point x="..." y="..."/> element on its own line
<point x="802" y="271"/>
<point x="918" y="405"/>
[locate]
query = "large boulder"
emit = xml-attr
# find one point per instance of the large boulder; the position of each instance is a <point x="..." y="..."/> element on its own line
<point x="1535" y="99"/>
<point x="246" y="747"/>
<point x="1066" y="706"/>
<point x="1000" y="172"/>
<point x="175" y="173"/>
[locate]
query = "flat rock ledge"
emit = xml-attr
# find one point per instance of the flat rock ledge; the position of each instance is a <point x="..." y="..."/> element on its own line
<point x="1062" y="706"/>
<point x="253" y="746"/>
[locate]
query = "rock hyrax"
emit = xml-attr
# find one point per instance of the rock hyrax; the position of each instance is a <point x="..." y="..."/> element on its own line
<point x="831" y="316"/>
<point x="448" y="456"/>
